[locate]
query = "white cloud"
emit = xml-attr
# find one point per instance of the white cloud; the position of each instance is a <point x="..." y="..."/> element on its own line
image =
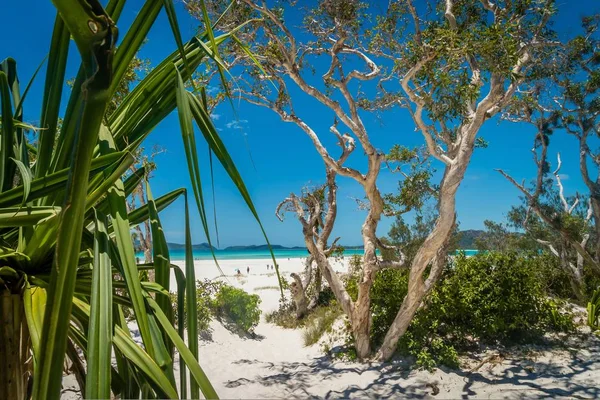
<point x="564" y="177"/>
<point x="215" y="116"/>
<point x="236" y="124"/>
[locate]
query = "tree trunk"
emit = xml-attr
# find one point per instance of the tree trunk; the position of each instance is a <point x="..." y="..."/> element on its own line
<point x="14" y="347"/>
<point x="148" y="256"/>
<point x="575" y="274"/>
<point x="431" y="250"/>
<point x="361" y="327"/>
<point x="410" y="304"/>
<point x="298" y="292"/>
<point x="578" y="288"/>
<point x="318" y="285"/>
<point x="361" y="318"/>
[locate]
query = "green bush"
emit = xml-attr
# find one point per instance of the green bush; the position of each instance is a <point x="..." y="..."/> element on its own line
<point x="490" y="298"/>
<point x="318" y="322"/>
<point x="205" y="293"/>
<point x="214" y="298"/>
<point x="558" y="317"/>
<point x="553" y="278"/>
<point x="326" y="297"/>
<point x="593" y="310"/>
<point x="493" y="297"/>
<point x="237" y="306"/>
<point x="284" y="316"/>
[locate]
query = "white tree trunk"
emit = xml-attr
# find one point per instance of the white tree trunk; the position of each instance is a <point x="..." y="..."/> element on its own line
<point x="432" y="250"/>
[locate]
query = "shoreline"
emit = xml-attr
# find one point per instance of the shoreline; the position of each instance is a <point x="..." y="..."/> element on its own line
<point x="206" y="269"/>
<point x="256" y="256"/>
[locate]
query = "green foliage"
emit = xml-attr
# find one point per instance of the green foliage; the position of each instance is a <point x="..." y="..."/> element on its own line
<point x="326" y="297"/>
<point x="237" y="306"/>
<point x="415" y="187"/>
<point x="499" y="237"/>
<point x="205" y="294"/>
<point x="319" y="322"/>
<point x="558" y="317"/>
<point x="593" y="310"/>
<point x="411" y="236"/>
<point x="217" y="299"/>
<point x="57" y="258"/>
<point x="284" y="316"/>
<point x="492" y="298"/>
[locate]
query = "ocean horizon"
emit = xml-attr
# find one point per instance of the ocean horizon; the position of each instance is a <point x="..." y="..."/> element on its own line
<point x="179" y="255"/>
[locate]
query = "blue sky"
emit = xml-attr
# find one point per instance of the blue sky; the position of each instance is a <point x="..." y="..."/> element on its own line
<point x="276" y="158"/>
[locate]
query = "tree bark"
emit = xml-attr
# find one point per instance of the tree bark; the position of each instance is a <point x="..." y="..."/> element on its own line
<point x="318" y="285"/>
<point x="14" y="347"/>
<point x="577" y="286"/>
<point x="361" y="318"/>
<point x="432" y="250"/>
<point x="575" y="274"/>
<point x="298" y="292"/>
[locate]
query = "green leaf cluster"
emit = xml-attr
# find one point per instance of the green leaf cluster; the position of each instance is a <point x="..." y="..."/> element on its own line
<point x="491" y="298"/>
<point x="237" y="306"/>
<point x="67" y="259"/>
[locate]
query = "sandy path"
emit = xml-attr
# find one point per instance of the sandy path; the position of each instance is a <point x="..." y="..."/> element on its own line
<point x="275" y="364"/>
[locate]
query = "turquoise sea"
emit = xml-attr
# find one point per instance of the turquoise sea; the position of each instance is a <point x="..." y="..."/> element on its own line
<point x="468" y="252"/>
<point x="179" y="255"/>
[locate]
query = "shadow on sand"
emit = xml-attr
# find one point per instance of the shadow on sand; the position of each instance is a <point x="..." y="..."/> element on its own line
<point x="515" y="377"/>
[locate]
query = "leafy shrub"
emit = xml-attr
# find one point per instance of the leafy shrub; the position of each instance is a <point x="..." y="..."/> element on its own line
<point x="205" y="294"/>
<point x="327" y="309"/>
<point x="214" y="298"/>
<point x="285" y="285"/>
<point x="237" y="306"/>
<point x="558" y="317"/>
<point x="593" y="309"/>
<point x="495" y="297"/>
<point x="318" y="322"/>
<point x="492" y="298"/>
<point x="355" y="265"/>
<point x="326" y="297"/>
<point x="556" y="280"/>
<point x="284" y="316"/>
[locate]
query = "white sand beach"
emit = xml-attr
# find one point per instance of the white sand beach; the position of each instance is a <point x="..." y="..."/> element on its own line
<point x="277" y="365"/>
<point x="259" y="274"/>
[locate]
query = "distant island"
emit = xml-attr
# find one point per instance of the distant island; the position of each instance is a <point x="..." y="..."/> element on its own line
<point x="466" y="238"/>
<point x="466" y="241"/>
<point x="252" y="247"/>
<point x="201" y="246"/>
<point x="262" y="247"/>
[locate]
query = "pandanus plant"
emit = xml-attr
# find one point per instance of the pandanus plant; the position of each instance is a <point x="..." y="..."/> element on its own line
<point x="68" y="273"/>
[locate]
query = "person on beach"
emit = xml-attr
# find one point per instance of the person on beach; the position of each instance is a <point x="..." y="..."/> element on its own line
<point x="248" y="270"/>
